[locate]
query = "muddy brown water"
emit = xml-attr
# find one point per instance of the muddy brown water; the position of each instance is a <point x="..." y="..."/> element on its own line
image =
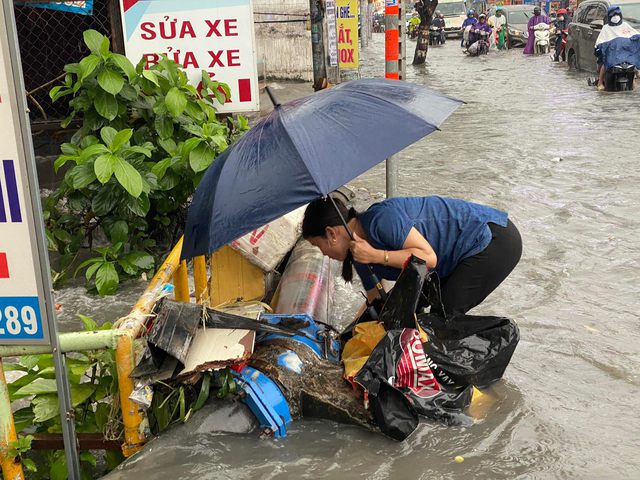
<point x="562" y="159"/>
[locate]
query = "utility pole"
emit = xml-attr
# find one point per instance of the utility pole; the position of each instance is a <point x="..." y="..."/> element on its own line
<point x="317" y="45"/>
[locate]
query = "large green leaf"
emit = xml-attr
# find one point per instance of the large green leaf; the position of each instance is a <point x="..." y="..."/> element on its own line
<point x="104" y="167"/>
<point x="38" y="387"/>
<point x="106" y="105"/>
<point x="141" y="260"/>
<point x="104" y="201"/>
<point x="82" y="175"/>
<point x="122" y="137"/>
<point x="107" y="134"/>
<point x="91" y="151"/>
<point x="201" y="157"/>
<point x="80" y="392"/>
<point x="88" y="65"/>
<point x="93" y="40"/>
<point x="128" y="177"/>
<point x="164" y="126"/>
<point x="107" y="279"/>
<point x="111" y="81"/>
<point x="45" y="407"/>
<point x="176" y="101"/>
<point x="118" y="231"/>
<point x="125" y="65"/>
<point x="151" y="76"/>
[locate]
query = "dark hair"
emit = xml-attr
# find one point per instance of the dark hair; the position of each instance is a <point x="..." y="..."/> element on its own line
<point x="321" y="214"/>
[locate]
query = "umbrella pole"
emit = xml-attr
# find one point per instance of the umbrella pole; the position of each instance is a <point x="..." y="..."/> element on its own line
<point x="379" y="287"/>
<point x="272" y="97"/>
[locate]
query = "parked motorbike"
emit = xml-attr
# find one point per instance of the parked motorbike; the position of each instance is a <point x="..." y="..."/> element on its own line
<point x="378" y="26"/>
<point x="435" y="35"/>
<point x="541" y="42"/>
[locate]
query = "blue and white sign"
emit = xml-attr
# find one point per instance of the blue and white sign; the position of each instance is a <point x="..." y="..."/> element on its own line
<point x="24" y="268"/>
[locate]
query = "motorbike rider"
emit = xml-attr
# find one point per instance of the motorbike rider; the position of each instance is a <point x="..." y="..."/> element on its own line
<point x="616" y="29"/>
<point x="499" y="23"/>
<point x="438" y="21"/>
<point x="414" y="22"/>
<point x="468" y="22"/>
<point x="476" y="28"/>
<point x="561" y="23"/>
<point x="537" y="18"/>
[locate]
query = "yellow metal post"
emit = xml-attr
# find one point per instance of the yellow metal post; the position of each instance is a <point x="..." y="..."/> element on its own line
<point x="11" y="470"/>
<point x="131" y="415"/>
<point x="200" y="278"/>
<point x="181" y="283"/>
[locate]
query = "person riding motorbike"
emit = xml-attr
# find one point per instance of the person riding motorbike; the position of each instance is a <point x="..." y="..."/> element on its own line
<point x="537" y="18"/>
<point x="481" y="26"/>
<point x="438" y="22"/>
<point x="414" y="23"/>
<point x="617" y="43"/>
<point x="499" y="23"/>
<point x="561" y="24"/>
<point x="468" y="22"/>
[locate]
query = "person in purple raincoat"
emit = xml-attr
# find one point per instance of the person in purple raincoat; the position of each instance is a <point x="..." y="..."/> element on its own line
<point x="537" y="18"/>
<point x="481" y="25"/>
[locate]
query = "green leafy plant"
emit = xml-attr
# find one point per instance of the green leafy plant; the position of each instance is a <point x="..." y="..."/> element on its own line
<point x="145" y="140"/>
<point x="17" y="452"/>
<point x="94" y="396"/>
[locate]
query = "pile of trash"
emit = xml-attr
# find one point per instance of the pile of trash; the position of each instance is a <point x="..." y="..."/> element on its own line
<point x="383" y="372"/>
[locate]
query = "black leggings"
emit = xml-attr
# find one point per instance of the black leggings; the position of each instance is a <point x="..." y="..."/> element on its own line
<point x="476" y="277"/>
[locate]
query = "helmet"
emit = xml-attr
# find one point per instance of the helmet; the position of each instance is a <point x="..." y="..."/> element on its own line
<point x="471" y="12"/>
<point x="482" y="15"/>
<point x="499" y="9"/>
<point x="536" y="10"/>
<point x="438" y="13"/>
<point x="562" y="11"/>
<point x="614" y="11"/>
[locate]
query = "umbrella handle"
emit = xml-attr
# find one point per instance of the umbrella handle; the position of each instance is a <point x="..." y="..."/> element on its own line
<point x="272" y="97"/>
<point x="374" y="277"/>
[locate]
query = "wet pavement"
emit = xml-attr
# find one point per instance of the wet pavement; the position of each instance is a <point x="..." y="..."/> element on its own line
<point x="562" y="159"/>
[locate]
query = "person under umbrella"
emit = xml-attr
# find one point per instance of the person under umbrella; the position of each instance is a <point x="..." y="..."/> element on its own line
<point x="537" y="18"/>
<point x="471" y="247"/>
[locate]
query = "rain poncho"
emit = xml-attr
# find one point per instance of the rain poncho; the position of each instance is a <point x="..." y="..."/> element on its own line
<point x="618" y="44"/>
<point x="533" y="21"/>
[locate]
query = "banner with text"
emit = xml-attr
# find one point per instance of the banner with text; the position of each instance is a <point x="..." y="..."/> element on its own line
<point x="212" y="35"/>
<point x="347" y="13"/>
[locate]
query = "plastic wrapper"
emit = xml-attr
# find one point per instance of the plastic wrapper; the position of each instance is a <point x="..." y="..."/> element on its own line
<point x="306" y="284"/>
<point x="142" y="394"/>
<point x="266" y="246"/>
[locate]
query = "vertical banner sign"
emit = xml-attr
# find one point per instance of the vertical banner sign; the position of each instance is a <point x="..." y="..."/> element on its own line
<point x="212" y="35"/>
<point x="26" y="306"/>
<point x="332" y="35"/>
<point x="22" y="309"/>
<point x="347" y="11"/>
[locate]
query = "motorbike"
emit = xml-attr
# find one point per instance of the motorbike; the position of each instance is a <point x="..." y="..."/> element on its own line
<point x="541" y="42"/>
<point x="435" y="35"/>
<point x="378" y="26"/>
<point x="481" y="45"/>
<point x="620" y="78"/>
<point x="561" y="43"/>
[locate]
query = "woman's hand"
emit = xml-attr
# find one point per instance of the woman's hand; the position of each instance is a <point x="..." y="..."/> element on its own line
<point x="364" y="253"/>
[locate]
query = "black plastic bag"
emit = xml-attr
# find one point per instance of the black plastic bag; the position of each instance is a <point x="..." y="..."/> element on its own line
<point x="469" y="349"/>
<point x="398" y="369"/>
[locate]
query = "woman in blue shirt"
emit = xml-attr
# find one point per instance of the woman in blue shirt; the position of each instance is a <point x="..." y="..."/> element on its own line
<point x="472" y="247"/>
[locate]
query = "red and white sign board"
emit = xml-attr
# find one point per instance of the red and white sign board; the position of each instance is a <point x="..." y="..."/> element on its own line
<point x="212" y="35"/>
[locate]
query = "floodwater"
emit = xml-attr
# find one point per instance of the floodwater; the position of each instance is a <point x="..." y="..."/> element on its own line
<point x="562" y="159"/>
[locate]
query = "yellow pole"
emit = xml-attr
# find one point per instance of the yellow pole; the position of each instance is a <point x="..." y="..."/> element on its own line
<point x="131" y="415"/>
<point x="181" y="283"/>
<point x="200" y="278"/>
<point x="11" y="470"/>
<point x="125" y="357"/>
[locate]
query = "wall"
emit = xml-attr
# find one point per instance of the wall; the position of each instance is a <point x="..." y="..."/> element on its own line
<point x="283" y="39"/>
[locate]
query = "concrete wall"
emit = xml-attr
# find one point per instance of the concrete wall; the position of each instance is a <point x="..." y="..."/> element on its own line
<point x="284" y="49"/>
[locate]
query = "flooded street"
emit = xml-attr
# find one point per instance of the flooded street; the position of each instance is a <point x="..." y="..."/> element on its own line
<point x="562" y="159"/>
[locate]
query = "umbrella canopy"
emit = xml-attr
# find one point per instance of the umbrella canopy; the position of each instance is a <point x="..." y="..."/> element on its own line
<point x="305" y="149"/>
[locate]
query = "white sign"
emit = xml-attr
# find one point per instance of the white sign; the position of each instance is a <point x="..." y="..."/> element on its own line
<point x="22" y="312"/>
<point x="332" y="36"/>
<point x="212" y="35"/>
